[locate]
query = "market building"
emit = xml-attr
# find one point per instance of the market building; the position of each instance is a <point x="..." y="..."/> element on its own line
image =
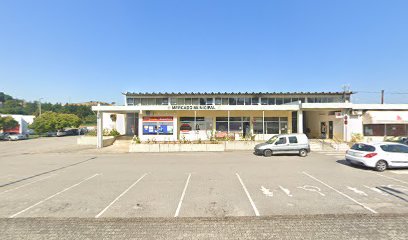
<point x="257" y="116"/>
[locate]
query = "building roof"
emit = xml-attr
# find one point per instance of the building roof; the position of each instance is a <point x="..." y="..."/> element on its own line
<point x="230" y="93"/>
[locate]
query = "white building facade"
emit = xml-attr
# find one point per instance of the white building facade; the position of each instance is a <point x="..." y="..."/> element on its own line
<point x="258" y="116"/>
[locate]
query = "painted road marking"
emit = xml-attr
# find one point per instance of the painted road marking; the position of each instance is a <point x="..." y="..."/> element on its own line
<point x="357" y="191"/>
<point x="24" y="185"/>
<point x="400" y="172"/>
<point x="182" y="196"/>
<point x="395" y="179"/>
<point x="343" y="194"/>
<point x="266" y="191"/>
<point x="376" y="190"/>
<point x="285" y="190"/>
<point x="249" y="197"/>
<point x="58" y="193"/>
<point x="117" y="198"/>
<point x="312" y="189"/>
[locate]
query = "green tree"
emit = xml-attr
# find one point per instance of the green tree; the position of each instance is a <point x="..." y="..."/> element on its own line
<point x="7" y="123"/>
<point x="50" y="121"/>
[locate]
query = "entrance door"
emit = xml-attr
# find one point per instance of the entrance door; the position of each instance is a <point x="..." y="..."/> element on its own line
<point x="132" y="125"/>
<point x="246" y="130"/>
<point x="331" y="129"/>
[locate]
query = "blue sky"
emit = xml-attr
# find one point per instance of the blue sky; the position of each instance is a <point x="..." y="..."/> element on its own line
<point x="94" y="50"/>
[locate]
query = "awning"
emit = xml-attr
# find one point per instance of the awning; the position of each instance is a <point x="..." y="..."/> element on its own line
<point x="381" y="117"/>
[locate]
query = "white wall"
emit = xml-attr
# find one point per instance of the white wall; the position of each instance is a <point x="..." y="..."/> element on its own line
<point x="23" y="120"/>
<point x="119" y="125"/>
<point x="313" y="119"/>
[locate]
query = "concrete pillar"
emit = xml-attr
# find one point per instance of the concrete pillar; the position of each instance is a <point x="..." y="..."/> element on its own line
<point x="99" y="130"/>
<point x="299" y="121"/>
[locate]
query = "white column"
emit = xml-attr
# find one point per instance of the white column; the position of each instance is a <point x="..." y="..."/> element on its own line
<point x="299" y="121"/>
<point x="263" y="125"/>
<point x="99" y="130"/>
<point x="140" y="128"/>
<point x="228" y="123"/>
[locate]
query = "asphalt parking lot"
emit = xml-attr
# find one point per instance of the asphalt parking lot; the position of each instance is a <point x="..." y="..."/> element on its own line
<point x="88" y="184"/>
<point x="65" y="183"/>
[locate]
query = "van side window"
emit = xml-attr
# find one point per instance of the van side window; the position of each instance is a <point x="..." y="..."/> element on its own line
<point x="293" y="140"/>
<point x="281" y="140"/>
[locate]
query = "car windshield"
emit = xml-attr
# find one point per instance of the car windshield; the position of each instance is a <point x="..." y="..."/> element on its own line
<point x="272" y="139"/>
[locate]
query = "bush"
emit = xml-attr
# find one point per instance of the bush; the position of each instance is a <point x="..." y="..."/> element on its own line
<point x="356" y="137"/>
<point x="106" y="132"/>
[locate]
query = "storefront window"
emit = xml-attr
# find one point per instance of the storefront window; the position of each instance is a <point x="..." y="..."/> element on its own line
<point x="157" y="125"/>
<point x="374" y="129"/>
<point x="130" y="101"/>
<point x="180" y="101"/>
<point x="240" y="101"/>
<point x="195" y="124"/>
<point x="225" y="101"/>
<point x="255" y="101"/>
<point x="395" y="130"/>
<point x="273" y="125"/>
<point x="195" y="101"/>
<point x="218" y="101"/>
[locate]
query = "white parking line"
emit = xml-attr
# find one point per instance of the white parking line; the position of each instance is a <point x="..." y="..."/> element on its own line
<point x="58" y="193"/>
<point x="182" y="196"/>
<point x="38" y="180"/>
<point x="249" y="197"/>
<point x="343" y="194"/>
<point x="123" y="193"/>
<point x="395" y="179"/>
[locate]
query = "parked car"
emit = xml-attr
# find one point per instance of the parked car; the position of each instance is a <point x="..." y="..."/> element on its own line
<point x="4" y="136"/>
<point x="379" y="156"/>
<point x="51" y="134"/>
<point x="284" y="143"/>
<point x="61" y="133"/>
<point x="404" y="141"/>
<point x="16" y="136"/>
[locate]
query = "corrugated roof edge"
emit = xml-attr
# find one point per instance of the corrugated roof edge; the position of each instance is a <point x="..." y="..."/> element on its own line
<point x="231" y="93"/>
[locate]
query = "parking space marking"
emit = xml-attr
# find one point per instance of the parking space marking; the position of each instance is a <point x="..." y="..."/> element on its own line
<point x="357" y="191"/>
<point x="343" y="194"/>
<point x="182" y="196"/>
<point x="118" y="197"/>
<point x="376" y="190"/>
<point x="399" y="172"/>
<point x="24" y="185"/>
<point x="312" y="189"/>
<point x="285" y="190"/>
<point x="249" y="197"/>
<point x="395" y="179"/>
<point x="52" y="196"/>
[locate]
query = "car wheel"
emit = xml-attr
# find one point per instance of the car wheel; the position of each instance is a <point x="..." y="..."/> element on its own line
<point x="381" y="166"/>
<point x="303" y="153"/>
<point x="268" y="153"/>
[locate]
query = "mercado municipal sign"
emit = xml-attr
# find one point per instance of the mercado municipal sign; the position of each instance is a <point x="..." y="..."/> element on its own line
<point x="193" y="107"/>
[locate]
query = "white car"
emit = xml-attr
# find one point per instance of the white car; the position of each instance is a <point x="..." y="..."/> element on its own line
<point x="16" y="136"/>
<point x="379" y="156"/>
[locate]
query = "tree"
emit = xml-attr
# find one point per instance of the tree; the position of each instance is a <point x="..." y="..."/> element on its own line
<point x="7" y="123"/>
<point x="50" y="121"/>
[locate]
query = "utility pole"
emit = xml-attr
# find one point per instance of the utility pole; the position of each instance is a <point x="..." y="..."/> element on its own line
<point x="382" y="96"/>
<point x="39" y="105"/>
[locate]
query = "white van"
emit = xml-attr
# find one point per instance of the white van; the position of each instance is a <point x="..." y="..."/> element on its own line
<point x="283" y="144"/>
